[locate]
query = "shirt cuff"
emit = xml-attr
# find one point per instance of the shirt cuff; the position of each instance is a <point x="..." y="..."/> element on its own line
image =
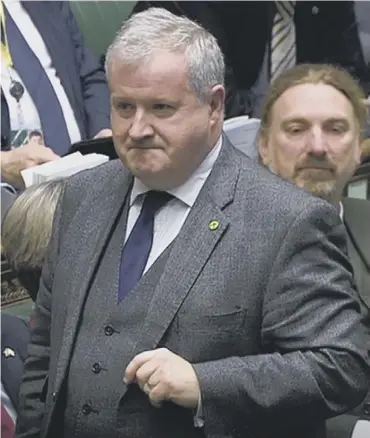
<point x="198" y="418"/>
<point x="362" y="429"/>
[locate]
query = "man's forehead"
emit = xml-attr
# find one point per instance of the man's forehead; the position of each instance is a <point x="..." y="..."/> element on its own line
<point x="151" y="74"/>
<point x="159" y="64"/>
<point x="312" y="101"/>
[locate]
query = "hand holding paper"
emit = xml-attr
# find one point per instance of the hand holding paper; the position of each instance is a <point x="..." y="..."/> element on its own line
<point x="15" y="160"/>
<point x="64" y="167"/>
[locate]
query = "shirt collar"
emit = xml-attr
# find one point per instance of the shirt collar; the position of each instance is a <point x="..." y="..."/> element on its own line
<point x="189" y="191"/>
<point x="341" y="211"/>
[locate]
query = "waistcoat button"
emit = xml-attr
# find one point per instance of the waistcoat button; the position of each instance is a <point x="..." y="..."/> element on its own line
<point x="108" y="330"/>
<point x="96" y="368"/>
<point x="86" y="409"/>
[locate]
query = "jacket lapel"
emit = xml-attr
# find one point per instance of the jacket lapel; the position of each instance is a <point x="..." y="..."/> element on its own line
<point x="192" y="248"/>
<point x="105" y="212"/>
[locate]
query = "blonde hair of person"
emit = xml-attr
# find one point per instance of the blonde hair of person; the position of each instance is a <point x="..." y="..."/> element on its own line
<point x="26" y="227"/>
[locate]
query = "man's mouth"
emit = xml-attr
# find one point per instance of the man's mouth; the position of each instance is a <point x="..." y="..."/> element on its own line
<point x="329" y="169"/>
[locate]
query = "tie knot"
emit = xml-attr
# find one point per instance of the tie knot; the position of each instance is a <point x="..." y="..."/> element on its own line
<point x="154" y="200"/>
<point x="285" y="8"/>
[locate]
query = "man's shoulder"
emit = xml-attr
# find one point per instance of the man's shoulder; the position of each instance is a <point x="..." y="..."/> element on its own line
<point x="15" y="337"/>
<point x="272" y="190"/>
<point x="14" y="329"/>
<point x="88" y="194"/>
<point x="277" y="202"/>
<point x="97" y="181"/>
<point x="8" y="320"/>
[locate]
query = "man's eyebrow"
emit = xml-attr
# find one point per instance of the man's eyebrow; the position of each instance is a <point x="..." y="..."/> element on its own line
<point x="303" y="120"/>
<point x="342" y="120"/>
<point x="295" y="120"/>
<point x="157" y="99"/>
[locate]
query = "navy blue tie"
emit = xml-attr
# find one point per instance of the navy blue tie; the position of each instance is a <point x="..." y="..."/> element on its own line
<point x="37" y="83"/>
<point x="137" y="247"/>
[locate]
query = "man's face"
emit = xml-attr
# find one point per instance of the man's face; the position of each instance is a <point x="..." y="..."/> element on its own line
<point x="36" y="139"/>
<point x="161" y="131"/>
<point x="313" y="139"/>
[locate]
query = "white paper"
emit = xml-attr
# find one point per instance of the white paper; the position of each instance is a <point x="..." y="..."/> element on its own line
<point x="61" y="168"/>
<point x="242" y="133"/>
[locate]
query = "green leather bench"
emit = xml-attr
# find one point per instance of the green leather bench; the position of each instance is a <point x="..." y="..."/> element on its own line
<point x="100" y="20"/>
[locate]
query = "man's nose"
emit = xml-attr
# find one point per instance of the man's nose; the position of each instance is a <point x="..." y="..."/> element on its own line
<point x="140" y="127"/>
<point x="316" y="143"/>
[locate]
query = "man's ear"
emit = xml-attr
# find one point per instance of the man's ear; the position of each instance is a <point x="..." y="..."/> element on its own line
<point x="217" y="103"/>
<point x="364" y="150"/>
<point x="263" y="150"/>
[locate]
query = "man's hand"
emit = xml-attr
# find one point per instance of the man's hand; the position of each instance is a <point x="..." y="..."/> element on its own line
<point x="12" y="162"/>
<point x="163" y="375"/>
<point x="104" y="133"/>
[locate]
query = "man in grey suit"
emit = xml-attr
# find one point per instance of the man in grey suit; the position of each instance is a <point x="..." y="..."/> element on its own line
<point x="188" y="292"/>
<point x="311" y="129"/>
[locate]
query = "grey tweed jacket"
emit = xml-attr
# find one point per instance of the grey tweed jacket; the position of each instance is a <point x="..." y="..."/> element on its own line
<point x="263" y="305"/>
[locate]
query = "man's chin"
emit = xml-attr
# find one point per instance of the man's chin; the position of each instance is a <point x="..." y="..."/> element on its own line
<point x="321" y="189"/>
<point x="155" y="178"/>
<point x="146" y="172"/>
<point x="316" y="174"/>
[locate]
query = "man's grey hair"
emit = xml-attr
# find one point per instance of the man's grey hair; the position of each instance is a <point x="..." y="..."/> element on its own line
<point x="158" y="29"/>
<point x="26" y="227"/>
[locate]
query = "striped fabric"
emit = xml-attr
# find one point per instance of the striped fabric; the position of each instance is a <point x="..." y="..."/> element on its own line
<point x="283" y="47"/>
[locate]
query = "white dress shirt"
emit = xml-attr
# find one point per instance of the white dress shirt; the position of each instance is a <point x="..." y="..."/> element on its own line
<point x="362" y="429"/>
<point x="24" y="115"/>
<point x="169" y="220"/>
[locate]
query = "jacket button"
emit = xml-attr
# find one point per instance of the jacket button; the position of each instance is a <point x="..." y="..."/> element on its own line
<point x="96" y="368"/>
<point x="108" y="330"/>
<point x="86" y="409"/>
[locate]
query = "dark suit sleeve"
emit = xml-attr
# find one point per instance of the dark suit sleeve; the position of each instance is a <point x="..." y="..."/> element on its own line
<point x="341" y="41"/>
<point x="34" y="382"/>
<point x="314" y="340"/>
<point x="15" y="332"/>
<point x="92" y="76"/>
<point x="22" y="336"/>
